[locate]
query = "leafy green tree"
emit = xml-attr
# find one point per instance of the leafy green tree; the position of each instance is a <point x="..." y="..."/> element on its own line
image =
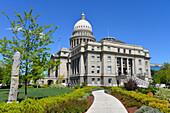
<point x="31" y="40"/>
<point x="5" y="72"/>
<point x="163" y="75"/>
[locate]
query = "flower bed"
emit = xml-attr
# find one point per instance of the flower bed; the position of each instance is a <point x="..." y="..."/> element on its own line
<point x="70" y="102"/>
<point x="161" y="105"/>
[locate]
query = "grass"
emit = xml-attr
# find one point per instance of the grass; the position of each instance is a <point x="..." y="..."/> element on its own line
<point x="34" y="93"/>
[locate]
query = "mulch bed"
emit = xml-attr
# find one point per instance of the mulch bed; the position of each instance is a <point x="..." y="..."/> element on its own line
<point x="129" y="109"/>
<point x="90" y="100"/>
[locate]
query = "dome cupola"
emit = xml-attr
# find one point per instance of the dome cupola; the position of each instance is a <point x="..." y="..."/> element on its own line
<point x="82" y="24"/>
<point x="82" y="33"/>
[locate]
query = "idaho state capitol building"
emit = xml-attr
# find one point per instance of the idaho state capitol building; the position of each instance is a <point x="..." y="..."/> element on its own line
<point x="106" y="62"/>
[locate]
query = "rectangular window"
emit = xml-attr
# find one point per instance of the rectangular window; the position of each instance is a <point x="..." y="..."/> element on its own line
<point x="98" y="80"/>
<point x="108" y="48"/>
<point x="124" y="50"/>
<point x="92" y="48"/>
<point x="109" y="80"/>
<point x="145" y="54"/>
<point x="146" y="71"/>
<point x="98" y="69"/>
<point x="64" y="52"/>
<point x="139" y="52"/>
<point x="118" y="50"/>
<point x="98" y="59"/>
<point x="140" y="62"/>
<point x="129" y="51"/>
<point x="109" y="58"/>
<point x="92" y="58"/>
<point x="92" y="69"/>
<point x="109" y="69"/>
<point x="97" y="48"/>
<point x="140" y="70"/>
<point x="146" y="63"/>
<point x="93" y="80"/>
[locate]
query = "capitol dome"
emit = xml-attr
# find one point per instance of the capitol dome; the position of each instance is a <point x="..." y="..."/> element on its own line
<point x="82" y="24"/>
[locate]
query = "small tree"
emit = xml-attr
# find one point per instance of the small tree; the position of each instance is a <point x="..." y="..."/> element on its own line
<point x="31" y="40"/>
<point x="130" y="84"/>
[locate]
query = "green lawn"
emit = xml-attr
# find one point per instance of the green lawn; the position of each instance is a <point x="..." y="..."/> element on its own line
<point x="34" y="93"/>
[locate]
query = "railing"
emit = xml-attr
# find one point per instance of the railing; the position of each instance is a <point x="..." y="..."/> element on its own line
<point x="140" y="82"/>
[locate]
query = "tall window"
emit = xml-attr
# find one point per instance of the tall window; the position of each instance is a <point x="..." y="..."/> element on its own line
<point x="140" y="62"/>
<point x="93" y="79"/>
<point x="109" y="58"/>
<point x="145" y="54"/>
<point x="129" y="51"/>
<point x="92" y="69"/>
<point x="124" y="50"/>
<point x="98" y="69"/>
<point x="140" y="70"/>
<point x="92" y="58"/>
<point x="146" y="63"/>
<point x="97" y="48"/>
<point x="146" y="71"/>
<point x="118" y="50"/>
<point x="98" y="59"/>
<point x="92" y="48"/>
<point x="108" y="48"/>
<point x="109" y="69"/>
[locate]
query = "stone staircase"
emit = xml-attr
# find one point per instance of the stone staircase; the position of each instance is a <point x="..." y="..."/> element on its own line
<point x="140" y="82"/>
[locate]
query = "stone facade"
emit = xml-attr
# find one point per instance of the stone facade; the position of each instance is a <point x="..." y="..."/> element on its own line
<point x="106" y="62"/>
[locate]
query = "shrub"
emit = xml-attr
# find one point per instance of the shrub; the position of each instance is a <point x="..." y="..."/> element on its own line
<point x="71" y="102"/>
<point x="147" y="109"/>
<point x="163" y="93"/>
<point x="59" y="86"/>
<point x="130" y="84"/>
<point x="83" y="84"/>
<point x="77" y="86"/>
<point x="162" y="105"/>
<point x="150" y="94"/>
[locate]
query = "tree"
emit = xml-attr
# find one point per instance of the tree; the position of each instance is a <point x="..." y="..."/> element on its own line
<point x="31" y="40"/>
<point x="163" y="75"/>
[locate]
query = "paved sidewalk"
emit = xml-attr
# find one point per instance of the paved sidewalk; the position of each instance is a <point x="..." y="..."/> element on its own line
<point x="105" y="103"/>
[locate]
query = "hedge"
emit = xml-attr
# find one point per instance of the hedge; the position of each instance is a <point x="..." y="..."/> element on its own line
<point x="49" y="104"/>
<point x="162" y="105"/>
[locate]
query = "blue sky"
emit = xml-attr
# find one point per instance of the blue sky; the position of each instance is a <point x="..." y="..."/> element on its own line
<point x="139" y="22"/>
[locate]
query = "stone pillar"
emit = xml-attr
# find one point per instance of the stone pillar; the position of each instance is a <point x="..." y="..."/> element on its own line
<point x="116" y="69"/>
<point x="121" y="66"/>
<point x="86" y="40"/>
<point x="13" y="94"/>
<point x="79" y="41"/>
<point x="133" y="66"/>
<point x="127" y="66"/>
<point x="81" y="65"/>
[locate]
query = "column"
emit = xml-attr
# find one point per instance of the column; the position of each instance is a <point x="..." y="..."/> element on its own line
<point x="121" y="66"/>
<point x="116" y="70"/>
<point x="127" y="66"/>
<point x="79" y="41"/>
<point x="81" y="65"/>
<point x="133" y="66"/>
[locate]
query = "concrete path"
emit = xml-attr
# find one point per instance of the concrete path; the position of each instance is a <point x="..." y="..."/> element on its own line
<point x="105" y="103"/>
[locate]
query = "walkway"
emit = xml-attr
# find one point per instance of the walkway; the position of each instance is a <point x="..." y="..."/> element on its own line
<point x="105" y="103"/>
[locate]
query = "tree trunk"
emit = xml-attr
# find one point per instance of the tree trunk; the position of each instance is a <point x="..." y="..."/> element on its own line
<point x="26" y="72"/>
<point x="26" y="88"/>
